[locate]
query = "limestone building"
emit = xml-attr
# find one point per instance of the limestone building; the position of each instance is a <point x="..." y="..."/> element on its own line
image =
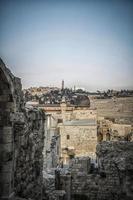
<point x="77" y="125"/>
<point x="78" y="138"/>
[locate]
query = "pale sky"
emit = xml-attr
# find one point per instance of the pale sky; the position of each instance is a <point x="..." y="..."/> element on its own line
<point x="88" y="43"/>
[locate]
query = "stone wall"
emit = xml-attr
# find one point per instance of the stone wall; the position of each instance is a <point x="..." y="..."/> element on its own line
<point x="108" y="130"/>
<point x="29" y="140"/>
<point x="21" y="141"/>
<point x="112" y="179"/>
<point x="84" y="113"/>
<point x="116" y="164"/>
<point x="120" y="131"/>
<point x="79" y="138"/>
<point x="10" y="102"/>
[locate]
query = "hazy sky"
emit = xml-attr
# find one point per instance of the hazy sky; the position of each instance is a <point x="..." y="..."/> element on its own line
<point x="87" y="43"/>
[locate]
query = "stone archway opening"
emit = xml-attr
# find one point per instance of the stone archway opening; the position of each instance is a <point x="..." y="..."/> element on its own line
<point x="7" y="105"/>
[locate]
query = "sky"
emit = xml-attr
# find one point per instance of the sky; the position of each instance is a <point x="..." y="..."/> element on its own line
<point x="88" y="43"/>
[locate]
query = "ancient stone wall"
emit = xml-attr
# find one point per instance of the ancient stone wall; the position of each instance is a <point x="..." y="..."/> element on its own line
<point x="107" y="130"/>
<point x="84" y="113"/>
<point x="81" y="139"/>
<point x="120" y="131"/>
<point x="10" y="102"/>
<point x="29" y="140"/>
<point x="21" y="141"/>
<point x="112" y="180"/>
<point x="116" y="165"/>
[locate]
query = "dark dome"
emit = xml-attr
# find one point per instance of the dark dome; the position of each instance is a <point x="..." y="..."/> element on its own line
<point x="82" y="100"/>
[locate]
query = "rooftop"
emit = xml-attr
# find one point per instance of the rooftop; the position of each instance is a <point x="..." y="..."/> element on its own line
<point x="81" y="122"/>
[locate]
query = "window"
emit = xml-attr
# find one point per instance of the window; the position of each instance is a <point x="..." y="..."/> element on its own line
<point x="68" y="137"/>
<point x="60" y="120"/>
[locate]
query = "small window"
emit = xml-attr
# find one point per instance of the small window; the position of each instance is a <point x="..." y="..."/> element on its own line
<point x="60" y="120"/>
<point x="68" y="137"/>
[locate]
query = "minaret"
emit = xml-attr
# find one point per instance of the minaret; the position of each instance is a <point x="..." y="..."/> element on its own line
<point x="74" y="88"/>
<point x="62" y="85"/>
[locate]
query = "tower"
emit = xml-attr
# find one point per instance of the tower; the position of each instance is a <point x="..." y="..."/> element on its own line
<point x="62" y="87"/>
<point x="74" y="88"/>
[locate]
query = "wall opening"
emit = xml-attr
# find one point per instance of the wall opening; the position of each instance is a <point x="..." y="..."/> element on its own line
<point x="68" y="137"/>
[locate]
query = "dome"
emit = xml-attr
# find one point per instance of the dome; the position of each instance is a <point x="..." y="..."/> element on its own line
<point x="82" y="100"/>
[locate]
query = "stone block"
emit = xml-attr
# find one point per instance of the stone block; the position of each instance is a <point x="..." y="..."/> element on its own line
<point x="3" y="105"/>
<point x="6" y="166"/>
<point x="6" y="138"/>
<point x="8" y="147"/>
<point x="17" y="117"/>
<point x="10" y="106"/>
<point x="22" y="140"/>
<point x="4" y="98"/>
<point x="6" y="156"/>
<point x="6" y="177"/>
<point x="6" y="92"/>
<point x="7" y="130"/>
<point x="4" y="190"/>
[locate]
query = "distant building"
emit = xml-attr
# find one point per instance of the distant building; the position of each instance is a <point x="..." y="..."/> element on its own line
<point x="77" y="125"/>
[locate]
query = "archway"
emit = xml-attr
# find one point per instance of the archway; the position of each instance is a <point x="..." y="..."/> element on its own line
<point x="7" y="105"/>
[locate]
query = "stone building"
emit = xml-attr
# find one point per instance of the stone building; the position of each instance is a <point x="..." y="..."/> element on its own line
<point x="77" y="125"/>
<point x="110" y="131"/>
<point x="78" y="138"/>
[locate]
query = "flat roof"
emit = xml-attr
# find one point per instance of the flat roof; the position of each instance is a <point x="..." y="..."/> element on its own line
<point x="58" y="105"/>
<point x="81" y="122"/>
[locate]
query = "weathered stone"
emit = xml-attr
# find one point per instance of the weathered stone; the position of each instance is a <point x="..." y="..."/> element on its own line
<point x="21" y="144"/>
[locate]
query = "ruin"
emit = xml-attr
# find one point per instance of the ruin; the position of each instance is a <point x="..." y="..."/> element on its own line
<point x="21" y="141"/>
<point x="37" y="141"/>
